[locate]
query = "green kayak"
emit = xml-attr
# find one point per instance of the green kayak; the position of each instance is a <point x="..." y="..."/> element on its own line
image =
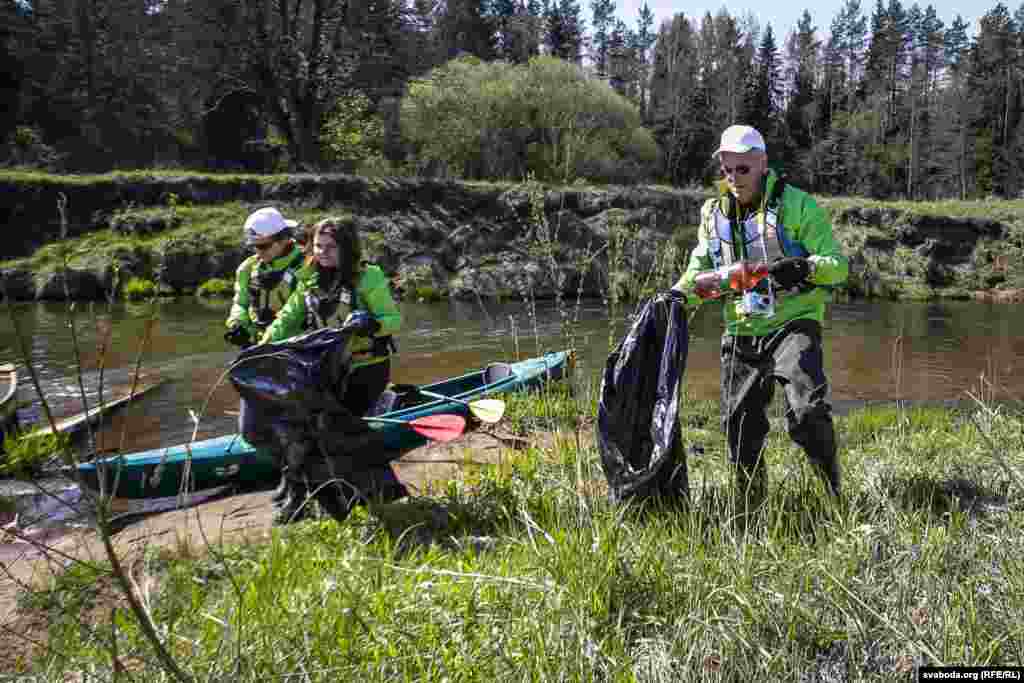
<point x="163" y="472"/>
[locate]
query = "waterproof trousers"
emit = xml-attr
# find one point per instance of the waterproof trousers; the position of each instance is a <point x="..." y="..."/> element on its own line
<point x="793" y="357"/>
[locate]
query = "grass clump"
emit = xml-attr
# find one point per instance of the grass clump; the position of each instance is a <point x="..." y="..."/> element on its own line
<point x="523" y="570"/>
<point x="216" y="288"/>
<point x="25" y="454"/>
<point x="137" y="289"/>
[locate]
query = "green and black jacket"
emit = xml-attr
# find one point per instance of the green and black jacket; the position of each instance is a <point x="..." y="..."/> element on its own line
<point x="310" y="307"/>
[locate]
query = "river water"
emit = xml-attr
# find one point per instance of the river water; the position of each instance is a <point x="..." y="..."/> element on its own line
<point x="875" y="351"/>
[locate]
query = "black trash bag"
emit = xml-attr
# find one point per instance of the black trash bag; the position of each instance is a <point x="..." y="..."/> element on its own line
<point x="299" y="377"/>
<point x="638" y="431"/>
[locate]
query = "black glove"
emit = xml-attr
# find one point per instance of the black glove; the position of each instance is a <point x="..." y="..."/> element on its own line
<point x="239" y="336"/>
<point x="362" y="324"/>
<point x="790" y="271"/>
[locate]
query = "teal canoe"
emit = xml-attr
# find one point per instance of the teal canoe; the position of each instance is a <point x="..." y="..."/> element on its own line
<point x="228" y="459"/>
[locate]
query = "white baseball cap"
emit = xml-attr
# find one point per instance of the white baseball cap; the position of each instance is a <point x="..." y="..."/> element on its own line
<point x="265" y="223"/>
<point x="740" y="139"/>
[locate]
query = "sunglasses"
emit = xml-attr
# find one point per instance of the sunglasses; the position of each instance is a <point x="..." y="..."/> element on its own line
<point x="741" y="169"/>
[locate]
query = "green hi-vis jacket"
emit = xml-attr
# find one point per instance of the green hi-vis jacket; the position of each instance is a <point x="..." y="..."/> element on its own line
<point x="807" y="231"/>
<point x="259" y="284"/>
<point x="373" y="294"/>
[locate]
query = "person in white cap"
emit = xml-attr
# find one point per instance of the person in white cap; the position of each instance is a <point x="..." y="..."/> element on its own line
<point x="265" y="280"/>
<point x="263" y="284"/>
<point x="768" y="250"/>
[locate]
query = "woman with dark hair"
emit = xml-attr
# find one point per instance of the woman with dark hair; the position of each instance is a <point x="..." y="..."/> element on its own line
<point x="337" y="288"/>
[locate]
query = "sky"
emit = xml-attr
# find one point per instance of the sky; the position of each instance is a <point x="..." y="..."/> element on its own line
<point x="784" y="15"/>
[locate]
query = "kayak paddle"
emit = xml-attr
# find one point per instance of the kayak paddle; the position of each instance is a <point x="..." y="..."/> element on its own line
<point x="488" y="410"/>
<point x="436" y="427"/>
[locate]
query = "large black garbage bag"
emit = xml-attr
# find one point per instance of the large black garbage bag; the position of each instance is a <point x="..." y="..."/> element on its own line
<point x="638" y="431"/>
<point x="299" y="377"/>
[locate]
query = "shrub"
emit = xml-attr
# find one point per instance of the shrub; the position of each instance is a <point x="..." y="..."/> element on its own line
<point x="547" y="117"/>
<point x="216" y="287"/>
<point x="417" y="283"/>
<point x="144" y="222"/>
<point x="26" y="147"/>
<point x="351" y="133"/>
<point x="139" y="288"/>
<point x="24" y="458"/>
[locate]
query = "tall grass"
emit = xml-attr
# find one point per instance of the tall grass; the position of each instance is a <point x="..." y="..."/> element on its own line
<point x="524" y="571"/>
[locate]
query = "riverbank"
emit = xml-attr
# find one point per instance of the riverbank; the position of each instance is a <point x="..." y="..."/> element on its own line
<point x="133" y="234"/>
<point x="521" y="569"/>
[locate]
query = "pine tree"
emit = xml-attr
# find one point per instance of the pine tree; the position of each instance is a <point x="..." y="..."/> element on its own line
<point x="463" y="27"/>
<point x="764" y="91"/>
<point x="564" y="37"/>
<point x="644" y="41"/>
<point x="602" y="21"/>
<point x="802" y="57"/>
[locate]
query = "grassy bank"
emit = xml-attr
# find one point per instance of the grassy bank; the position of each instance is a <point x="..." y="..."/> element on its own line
<point x="886" y="263"/>
<point x="523" y="571"/>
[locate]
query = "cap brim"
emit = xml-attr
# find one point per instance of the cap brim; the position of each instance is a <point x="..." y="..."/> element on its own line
<point x="290" y="223"/>
<point x="737" y="149"/>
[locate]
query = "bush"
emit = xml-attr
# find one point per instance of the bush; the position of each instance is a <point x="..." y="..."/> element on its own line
<point x="352" y="133"/>
<point x="139" y="288"/>
<point x="548" y="118"/>
<point x="216" y="287"/>
<point x="24" y="458"/>
<point x="25" y="147"/>
<point x="146" y="222"/>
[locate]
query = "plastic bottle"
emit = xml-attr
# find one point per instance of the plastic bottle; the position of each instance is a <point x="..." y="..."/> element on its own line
<point x="740" y="277"/>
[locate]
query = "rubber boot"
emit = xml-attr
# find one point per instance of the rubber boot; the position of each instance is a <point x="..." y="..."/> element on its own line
<point x="818" y="439"/>
<point x="296" y="505"/>
<point x="334" y="502"/>
<point x="281" y="492"/>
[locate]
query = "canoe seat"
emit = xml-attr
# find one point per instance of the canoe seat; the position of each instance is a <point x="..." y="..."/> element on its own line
<point x="385" y="403"/>
<point x="496" y="372"/>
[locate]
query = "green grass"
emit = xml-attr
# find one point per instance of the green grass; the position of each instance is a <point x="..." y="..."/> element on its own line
<point x="139" y="288"/>
<point x="211" y="227"/>
<point x="216" y="287"/>
<point x="523" y="572"/>
<point x="35" y="176"/>
<point x="24" y="458"/>
<point x="1002" y="209"/>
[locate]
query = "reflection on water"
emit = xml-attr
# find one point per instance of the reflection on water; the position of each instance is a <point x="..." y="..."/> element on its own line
<point x="874" y="351"/>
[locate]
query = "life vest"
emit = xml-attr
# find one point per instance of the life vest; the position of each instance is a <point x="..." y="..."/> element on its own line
<point x="269" y="289"/>
<point x="763" y="235"/>
<point x="330" y="308"/>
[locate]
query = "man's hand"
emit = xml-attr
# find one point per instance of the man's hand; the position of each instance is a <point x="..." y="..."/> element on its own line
<point x="790" y="271"/>
<point x="239" y="336"/>
<point x="362" y="323"/>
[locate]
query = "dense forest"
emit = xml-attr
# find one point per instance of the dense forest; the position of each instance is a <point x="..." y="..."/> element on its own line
<point x="889" y="101"/>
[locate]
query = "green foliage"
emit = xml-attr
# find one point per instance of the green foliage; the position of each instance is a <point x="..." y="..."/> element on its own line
<point x="417" y="283"/>
<point x="216" y="287"/>
<point x="24" y="458"/>
<point x="547" y="117"/>
<point x="25" y="147"/>
<point x="139" y="288"/>
<point x="351" y="132"/>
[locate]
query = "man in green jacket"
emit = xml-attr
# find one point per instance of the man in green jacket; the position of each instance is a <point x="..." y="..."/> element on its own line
<point x="774" y="328"/>
<point x="265" y="280"/>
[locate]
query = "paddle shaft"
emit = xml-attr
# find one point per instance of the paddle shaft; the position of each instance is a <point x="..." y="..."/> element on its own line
<point x="432" y="394"/>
